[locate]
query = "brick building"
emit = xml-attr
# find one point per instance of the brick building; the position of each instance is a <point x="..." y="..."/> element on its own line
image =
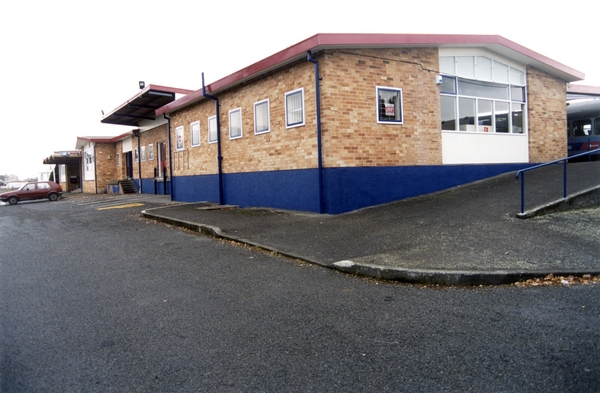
<point x="392" y="116"/>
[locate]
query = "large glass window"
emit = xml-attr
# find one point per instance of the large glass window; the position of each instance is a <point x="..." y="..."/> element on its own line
<point x="294" y="108"/>
<point x="389" y="103"/>
<point x="482" y="95"/>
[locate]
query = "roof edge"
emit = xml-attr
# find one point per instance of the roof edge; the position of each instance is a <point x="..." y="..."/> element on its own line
<point x="347" y="40"/>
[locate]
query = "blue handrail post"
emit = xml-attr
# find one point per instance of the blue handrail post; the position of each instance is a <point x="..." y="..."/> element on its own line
<point x="522" y="192"/>
<point x="565" y="178"/>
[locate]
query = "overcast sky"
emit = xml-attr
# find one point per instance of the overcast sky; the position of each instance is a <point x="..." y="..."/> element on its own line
<point x="63" y="62"/>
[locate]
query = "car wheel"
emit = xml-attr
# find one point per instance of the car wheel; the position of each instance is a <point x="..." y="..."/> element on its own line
<point x="53" y="197"/>
<point x="13" y="200"/>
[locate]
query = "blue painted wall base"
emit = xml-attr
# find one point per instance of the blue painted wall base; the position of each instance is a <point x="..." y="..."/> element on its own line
<point x="345" y="189"/>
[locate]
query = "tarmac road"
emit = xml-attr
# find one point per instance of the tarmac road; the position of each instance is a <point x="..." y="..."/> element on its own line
<point x="104" y="301"/>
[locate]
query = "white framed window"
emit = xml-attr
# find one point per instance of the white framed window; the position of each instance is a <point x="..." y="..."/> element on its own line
<point x="294" y="108"/>
<point x="389" y="105"/>
<point x="262" y="118"/>
<point x="212" y="129"/>
<point x="136" y="155"/>
<point x="118" y="159"/>
<point x="480" y="106"/>
<point x="235" y="123"/>
<point x="151" y="152"/>
<point x="143" y="153"/>
<point x="89" y="160"/>
<point x="195" y="130"/>
<point x="179" y="137"/>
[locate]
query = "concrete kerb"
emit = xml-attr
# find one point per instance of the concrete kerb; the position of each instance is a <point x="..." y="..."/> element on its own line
<point x="586" y="198"/>
<point x="213" y="231"/>
<point x="417" y="276"/>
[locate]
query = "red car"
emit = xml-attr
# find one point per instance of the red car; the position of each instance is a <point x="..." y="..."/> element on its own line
<point x="33" y="190"/>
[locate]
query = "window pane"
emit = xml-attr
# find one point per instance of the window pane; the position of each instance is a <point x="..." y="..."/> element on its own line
<point x="597" y="127"/>
<point x="390" y="105"/>
<point x="484" y="68"/>
<point x="235" y="123"/>
<point x="582" y="127"/>
<point x="294" y="108"/>
<point x="466" y="114"/>
<point x="212" y="129"/>
<point x="517" y="93"/>
<point x="179" y="136"/>
<point x="500" y="72"/>
<point x="517" y="118"/>
<point x="261" y="117"/>
<point x="447" y="65"/>
<point x="484" y="115"/>
<point x="465" y="66"/>
<point x="195" y="133"/>
<point x="501" y="116"/>
<point x="482" y="89"/>
<point x="448" y="85"/>
<point x="517" y="77"/>
<point x="448" y="113"/>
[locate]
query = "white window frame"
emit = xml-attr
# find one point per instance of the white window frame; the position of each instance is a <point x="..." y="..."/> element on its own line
<point x="150" y="152"/>
<point x="143" y="153"/>
<point x="212" y="129"/>
<point x="136" y="155"/>
<point x="237" y="112"/>
<point x="118" y="159"/>
<point x="179" y="142"/>
<point x="259" y="105"/>
<point x="401" y="103"/>
<point x="195" y="133"/>
<point x="287" y="113"/>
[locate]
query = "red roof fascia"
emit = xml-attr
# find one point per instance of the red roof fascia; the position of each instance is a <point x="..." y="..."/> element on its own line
<point x="335" y="40"/>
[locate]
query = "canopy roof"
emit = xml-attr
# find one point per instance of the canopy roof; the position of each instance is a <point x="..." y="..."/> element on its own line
<point x="143" y="105"/>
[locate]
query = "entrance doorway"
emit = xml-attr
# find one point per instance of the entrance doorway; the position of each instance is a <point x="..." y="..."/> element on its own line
<point x="129" y="165"/>
<point x="162" y="160"/>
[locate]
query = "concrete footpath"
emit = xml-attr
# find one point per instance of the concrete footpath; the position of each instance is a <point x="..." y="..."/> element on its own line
<point x="468" y="235"/>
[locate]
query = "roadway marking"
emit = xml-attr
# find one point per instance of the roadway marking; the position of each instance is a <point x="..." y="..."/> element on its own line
<point x="121" y="206"/>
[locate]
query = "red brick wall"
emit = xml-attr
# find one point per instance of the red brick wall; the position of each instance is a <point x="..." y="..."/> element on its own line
<point x="105" y="165"/>
<point x="351" y="134"/>
<point x="547" y="116"/>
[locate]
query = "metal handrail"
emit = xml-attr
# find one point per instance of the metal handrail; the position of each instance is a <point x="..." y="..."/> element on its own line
<point x="563" y="160"/>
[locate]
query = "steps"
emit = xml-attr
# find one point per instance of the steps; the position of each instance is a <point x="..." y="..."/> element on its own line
<point x="128" y="186"/>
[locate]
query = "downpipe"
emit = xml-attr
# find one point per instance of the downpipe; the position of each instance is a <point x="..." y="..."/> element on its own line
<point x="319" y="145"/>
<point x="219" y="156"/>
<point x="170" y="157"/>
